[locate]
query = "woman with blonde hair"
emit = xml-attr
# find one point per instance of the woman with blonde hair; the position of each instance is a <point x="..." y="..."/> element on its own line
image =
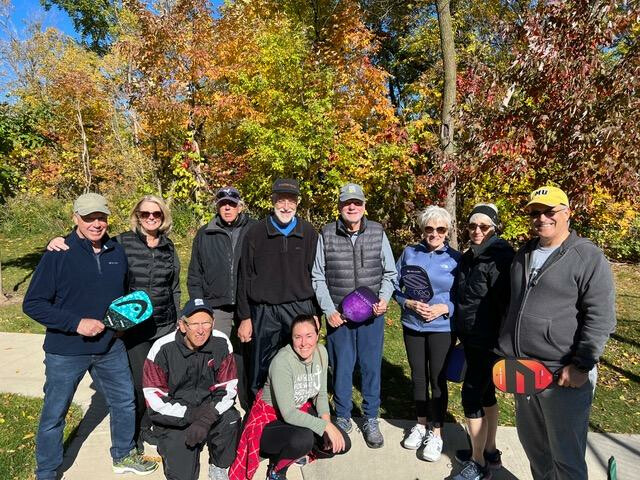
<point x="153" y="267"/>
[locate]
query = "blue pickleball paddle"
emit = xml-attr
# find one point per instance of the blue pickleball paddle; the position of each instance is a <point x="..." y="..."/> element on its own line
<point x="128" y="311"/>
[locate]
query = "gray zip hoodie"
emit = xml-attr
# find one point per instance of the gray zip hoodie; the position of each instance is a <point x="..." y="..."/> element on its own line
<point x="567" y="312"/>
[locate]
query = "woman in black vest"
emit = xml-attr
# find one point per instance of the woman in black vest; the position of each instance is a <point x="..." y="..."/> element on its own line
<point x="153" y="267"/>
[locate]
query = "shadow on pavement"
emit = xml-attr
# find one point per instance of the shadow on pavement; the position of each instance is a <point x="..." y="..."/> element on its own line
<point x="96" y="413"/>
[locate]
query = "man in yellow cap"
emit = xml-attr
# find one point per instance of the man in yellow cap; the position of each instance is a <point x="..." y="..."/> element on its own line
<point x="562" y="312"/>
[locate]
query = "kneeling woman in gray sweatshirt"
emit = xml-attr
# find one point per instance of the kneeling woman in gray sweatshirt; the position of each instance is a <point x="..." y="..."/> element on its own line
<point x="290" y="417"/>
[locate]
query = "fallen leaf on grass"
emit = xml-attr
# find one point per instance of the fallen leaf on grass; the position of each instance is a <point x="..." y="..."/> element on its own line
<point x="28" y="436"/>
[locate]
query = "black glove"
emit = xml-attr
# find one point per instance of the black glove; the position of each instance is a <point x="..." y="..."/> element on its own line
<point x="201" y="418"/>
<point x="205" y="411"/>
<point x="196" y="433"/>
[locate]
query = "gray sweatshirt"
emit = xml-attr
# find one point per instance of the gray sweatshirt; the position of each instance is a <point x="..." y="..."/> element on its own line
<point x="566" y="313"/>
<point x="291" y="382"/>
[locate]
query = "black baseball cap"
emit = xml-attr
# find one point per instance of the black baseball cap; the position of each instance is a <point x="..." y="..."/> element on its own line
<point x="228" y="193"/>
<point x="195" y="305"/>
<point x="286" y="185"/>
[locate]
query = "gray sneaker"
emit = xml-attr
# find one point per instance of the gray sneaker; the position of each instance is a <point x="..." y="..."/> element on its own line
<point x="344" y="423"/>
<point x="134" y="463"/>
<point x="372" y="434"/>
<point x="473" y="471"/>
<point x="217" y="473"/>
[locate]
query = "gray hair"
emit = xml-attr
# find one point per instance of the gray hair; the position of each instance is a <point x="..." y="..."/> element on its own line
<point x="435" y="213"/>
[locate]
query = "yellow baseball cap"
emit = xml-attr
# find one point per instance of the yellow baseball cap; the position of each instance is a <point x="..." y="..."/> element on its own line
<point x="550" y="196"/>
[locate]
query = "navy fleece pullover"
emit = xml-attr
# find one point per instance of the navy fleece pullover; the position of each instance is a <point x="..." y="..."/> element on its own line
<point x="75" y="284"/>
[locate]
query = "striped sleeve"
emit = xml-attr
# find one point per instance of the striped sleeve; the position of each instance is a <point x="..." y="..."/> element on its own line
<point x="225" y="388"/>
<point x="161" y="407"/>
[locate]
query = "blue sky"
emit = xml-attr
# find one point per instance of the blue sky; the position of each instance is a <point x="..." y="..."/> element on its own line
<point x="25" y="11"/>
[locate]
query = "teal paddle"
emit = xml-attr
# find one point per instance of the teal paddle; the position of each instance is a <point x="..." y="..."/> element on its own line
<point x="128" y="311"/>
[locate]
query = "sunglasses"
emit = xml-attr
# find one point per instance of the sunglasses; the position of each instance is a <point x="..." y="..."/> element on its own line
<point x="144" y="214"/>
<point x="483" y="228"/>
<point x="549" y="212"/>
<point x="440" y="230"/>
<point x="227" y="193"/>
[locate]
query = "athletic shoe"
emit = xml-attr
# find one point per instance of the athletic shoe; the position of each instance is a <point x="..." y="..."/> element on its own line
<point x="217" y="473"/>
<point x="134" y="463"/>
<point x="431" y="447"/>
<point x="494" y="460"/>
<point x="273" y="475"/>
<point x="372" y="434"/>
<point x="473" y="471"/>
<point x="415" y="438"/>
<point x="345" y="424"/>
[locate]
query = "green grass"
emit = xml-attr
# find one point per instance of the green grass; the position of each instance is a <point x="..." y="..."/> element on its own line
<point x="616" y="406"/>
<point x="18" y="426"/>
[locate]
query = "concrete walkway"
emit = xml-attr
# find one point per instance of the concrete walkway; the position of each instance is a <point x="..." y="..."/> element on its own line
<point x="88" y="455"/>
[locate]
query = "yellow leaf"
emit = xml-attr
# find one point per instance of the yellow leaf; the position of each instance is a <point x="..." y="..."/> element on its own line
<point x="28" y="436"/>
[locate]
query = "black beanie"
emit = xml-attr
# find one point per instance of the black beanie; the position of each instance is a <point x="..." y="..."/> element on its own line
<point x="488" y="211"/>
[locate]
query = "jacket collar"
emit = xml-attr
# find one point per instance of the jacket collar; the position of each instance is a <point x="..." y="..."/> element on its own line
<point x="162" y="238"/>
<point x="216" y="226"/>
<point x="74" y="239"/>
<point x="341" y="228"/>
<point x="273" y="231"/>
<point x="186" y="351"/>
<point x="423" y="246"/>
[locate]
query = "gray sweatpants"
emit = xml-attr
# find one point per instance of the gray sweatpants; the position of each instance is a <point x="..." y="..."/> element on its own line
<point x="552" y="428"/>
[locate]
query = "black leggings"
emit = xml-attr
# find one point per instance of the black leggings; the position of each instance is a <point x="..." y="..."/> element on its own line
<point x="478" y="390"/>
<point x="427" y="353"/>
<point x="284" y="443"/>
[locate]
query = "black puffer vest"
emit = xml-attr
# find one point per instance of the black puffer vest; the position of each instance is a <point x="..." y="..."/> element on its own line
<point x="154" y="271"/>
<point x="349" y="266"/>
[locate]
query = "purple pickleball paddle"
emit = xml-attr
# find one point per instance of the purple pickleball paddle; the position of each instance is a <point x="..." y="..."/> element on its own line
<point x="357" y="306"/>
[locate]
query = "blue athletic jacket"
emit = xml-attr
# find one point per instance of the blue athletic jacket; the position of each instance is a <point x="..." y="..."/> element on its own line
<point x="74" y="284"/>
<point x="441" y="266"/>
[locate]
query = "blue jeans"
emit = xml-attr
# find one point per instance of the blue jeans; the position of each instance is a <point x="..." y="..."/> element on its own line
<point x="347" y="344"/>
<point x="112" y="377"/>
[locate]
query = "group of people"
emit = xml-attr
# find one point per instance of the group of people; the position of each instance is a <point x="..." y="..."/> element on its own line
<point x="258" y="291"/>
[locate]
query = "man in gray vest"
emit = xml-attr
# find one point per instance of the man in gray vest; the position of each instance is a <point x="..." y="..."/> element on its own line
<point x="354" y="252"/>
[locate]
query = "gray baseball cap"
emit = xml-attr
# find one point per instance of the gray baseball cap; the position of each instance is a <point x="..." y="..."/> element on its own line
<point x="351" y="191"/>
<point x="89" y="203"/>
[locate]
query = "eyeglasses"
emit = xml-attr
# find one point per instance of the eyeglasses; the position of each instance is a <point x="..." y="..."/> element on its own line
<point x="145" y="214"/>
<point x="441" y="230"/>
<point x="281" y="202"/>
<point x="549" y="212"/>
<point x="483" y="228"/>
<point x="92" y="217"/>
<point x="227" y="193"/>
<point x="193" y="326"/>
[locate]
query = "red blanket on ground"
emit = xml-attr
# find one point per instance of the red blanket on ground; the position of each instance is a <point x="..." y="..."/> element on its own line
<point x="248" y="453"/>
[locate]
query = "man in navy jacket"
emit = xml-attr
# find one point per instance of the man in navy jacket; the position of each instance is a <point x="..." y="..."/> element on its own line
<point x="70" y="291"/>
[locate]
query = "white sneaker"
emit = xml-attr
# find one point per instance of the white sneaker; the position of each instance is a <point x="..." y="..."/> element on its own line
<point x="432" y="447"/>
<point x="415" y="438"/>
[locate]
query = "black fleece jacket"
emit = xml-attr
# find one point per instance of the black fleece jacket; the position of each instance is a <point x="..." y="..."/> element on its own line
<point x="275" y="269"/>
<point x="215" y="257"/>
<point x="482" y="292"/>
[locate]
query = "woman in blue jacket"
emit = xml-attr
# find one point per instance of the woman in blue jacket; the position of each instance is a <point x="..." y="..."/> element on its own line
<point x="427" y="329"/>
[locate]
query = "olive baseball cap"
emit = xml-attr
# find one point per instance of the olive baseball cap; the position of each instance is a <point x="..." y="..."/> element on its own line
<point x="351" y="191"/>
<point x="90" y="203"/>
<point x="549" y="196"/>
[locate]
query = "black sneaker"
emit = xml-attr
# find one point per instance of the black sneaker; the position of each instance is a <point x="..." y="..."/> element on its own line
<point x="494" y="459"/>
<point x="473" y="471"/>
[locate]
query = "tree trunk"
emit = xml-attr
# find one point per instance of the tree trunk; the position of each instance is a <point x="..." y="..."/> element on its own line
<point x="86" y="163"/>
<point x="448" y="104"/>
<point x="2" y="297"/>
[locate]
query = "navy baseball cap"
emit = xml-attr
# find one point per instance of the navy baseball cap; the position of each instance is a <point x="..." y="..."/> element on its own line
<point x="195" y="305"/>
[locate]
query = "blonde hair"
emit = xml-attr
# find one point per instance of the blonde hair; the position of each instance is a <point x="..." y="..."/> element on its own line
<point x="167" y="223"/>
<point x="436" y="213"/>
